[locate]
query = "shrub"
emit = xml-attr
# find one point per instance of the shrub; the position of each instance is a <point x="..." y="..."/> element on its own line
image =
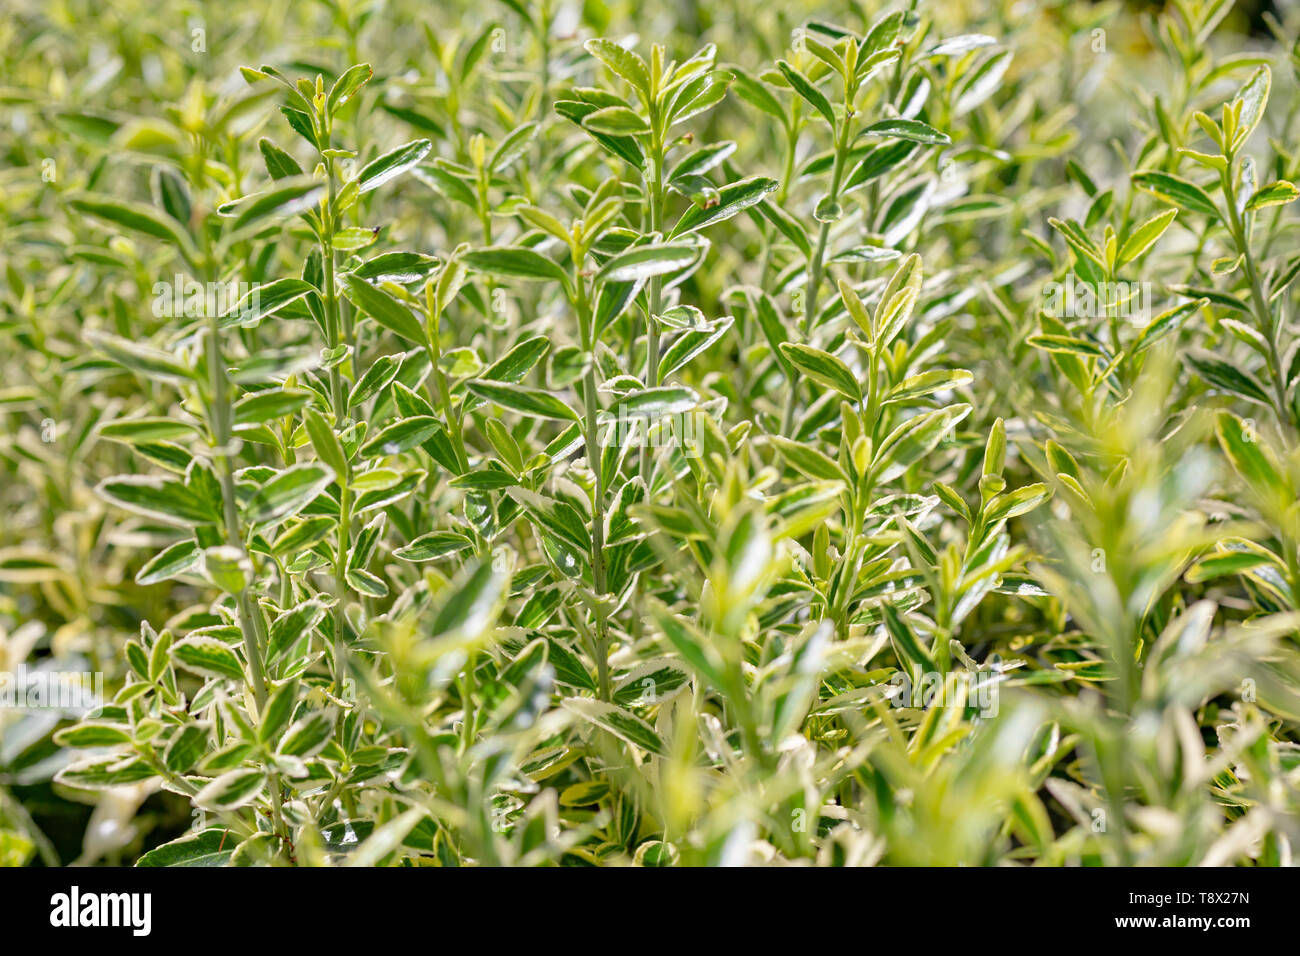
<point x="865" y="436"/>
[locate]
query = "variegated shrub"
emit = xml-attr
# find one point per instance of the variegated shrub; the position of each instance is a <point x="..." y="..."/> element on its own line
<point x="616" y="433"/>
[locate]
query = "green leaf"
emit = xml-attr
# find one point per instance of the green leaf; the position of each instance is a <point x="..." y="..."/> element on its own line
<point x="287" y="198"/>
<point x="774" y="330"/>
<point x="279" y="164"/>
<point x="384" y="309"/>
<point x="690" y="643"/>
<point x="303" y="534"/>
<point x="788" y="226"/>
<point x="824" y="368"/>
<point x="137" y="217"/>
<point x="136" y="431"/>
<point x="1144" y="236"/>
<point x="346" y="86"/>
<point x="175" y="560"/>
<point x="897" y="301"/>
<point x="978" y="85"/>
<point x="527" y="401"/>
<point x="615" y="121"/>
<point x="232" y="790"/>
<point x="623" y="62"/>
<point x="147" y="361"/>
<point x="1016" y="503"/>
<point x="904" y="638"/>
<point x="757" y="94"/>
<point x="517" y="363"/>
<point x="288" y="493"/>
<point x="655" y="403"/>
<point x="292" y="625"/>
<point x="913" y="440"/>
<point x="1252" y="460"/>
<point x="688" y="345"/>
<point x="163" y="498"/>
<point x="300" y="123"/>
<point x="93" y="734"/>
<point x="103" y="773"/>
<point x="619" y="722"/>
<point x="1274" y="194"/>
<point x="512" y="146"/>
<point x="878" y="161"/>
<point x="279" y="708"/>
<point x="434" y="545"/>
<point x="958" y="45"/>
<point x="516" y="262"/>
<point x="1251" y="99"/>
<point x="808" y="460"/>
<point x="186" y="747"/>
<point x="1165" y="323"/>
<point x="392" y="164"/>
<point x="264" y="300"/>
<point x="1067" y="344"/>
<point x="399" y="267"/>
<point x="326" y="443"/>
<point x="308" y="735"/>
<point x="801" y="85"/>
<point x="402" y="435"/>
<point x="259" y="407"/>
<point x="208" y="657"/>
<point x="210" y="847"/>
<point x="367" y="538"/>
<point x="927" y="383"/>
<point x="1176" y="192"/>
<point x="624" y="147"/>
<point x="378" y="377"/>
<point x="1221" y="565"/>
<point x="559" y="519"/>
<point x="908" y="129"/>
<point x="643" y="262"/>
<point x="733" y="198"/>
<point x="1226" y="376"/>
<point x="569" y="668"/>
<point x="650" y="682"/>
<point x="1079" y="241"/>
<point x="469" y="610"/>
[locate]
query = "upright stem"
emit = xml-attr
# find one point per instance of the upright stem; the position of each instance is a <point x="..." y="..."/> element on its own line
<point x="442" y="393"/>
<point x="252" y="626"/>
<point x="589" y="427"/>
<point x="340" y="415"/>
<point x="221" y="427"/>
<point x="544" y="71"/>
<point x="655" y="197"/>
<point x="1263" y="314"/>
<point x="816" y="265"/>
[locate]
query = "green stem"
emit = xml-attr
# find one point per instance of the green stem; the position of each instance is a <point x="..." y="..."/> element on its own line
<point x="221" y="426"/>
<point x="252" y="625"/>
<point x="339" y="400"/>
<point x="655" y="197"/>
<point x="589" y="427"/>
<point x="441" y="392"/>
<point x="1263" y="314"/>
<point x="544" y="70"/>
<point x="816" y="266"/>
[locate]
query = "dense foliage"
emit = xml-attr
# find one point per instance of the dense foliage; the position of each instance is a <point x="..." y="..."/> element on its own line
<point x="536" y="432"/>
